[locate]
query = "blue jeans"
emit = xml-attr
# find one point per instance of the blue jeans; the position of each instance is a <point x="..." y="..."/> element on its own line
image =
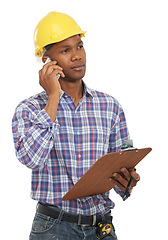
<point x="46" y="228"/>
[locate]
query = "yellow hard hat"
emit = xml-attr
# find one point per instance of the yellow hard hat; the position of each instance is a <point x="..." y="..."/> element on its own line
<point x="54" y="27"/>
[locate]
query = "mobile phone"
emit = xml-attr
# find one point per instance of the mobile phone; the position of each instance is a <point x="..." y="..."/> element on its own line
<point x="49" y="60"/>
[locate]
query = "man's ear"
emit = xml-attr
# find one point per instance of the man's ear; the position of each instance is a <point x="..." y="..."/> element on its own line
<point x="44" y="58"/>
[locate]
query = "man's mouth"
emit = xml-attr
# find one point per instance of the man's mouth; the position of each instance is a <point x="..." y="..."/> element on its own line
<point x="78" y="67"/>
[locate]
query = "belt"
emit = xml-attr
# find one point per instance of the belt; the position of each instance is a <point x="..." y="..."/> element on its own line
<point x="86" y="220"/>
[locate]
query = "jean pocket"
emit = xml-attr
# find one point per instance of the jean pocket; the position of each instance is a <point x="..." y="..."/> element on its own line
<point x="42" y="223"/>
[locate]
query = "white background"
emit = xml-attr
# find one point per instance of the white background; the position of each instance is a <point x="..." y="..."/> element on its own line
<point x="127" y="57"/>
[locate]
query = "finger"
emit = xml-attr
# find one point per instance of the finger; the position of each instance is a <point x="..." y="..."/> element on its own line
<point x="120" y="179"/>
<point x="51" y="68"/>
<point x="135" y="175"/>
<point x="57" y="71"/>
<point x="50" y="63"/>
<point x="45" y="66"/>
<point x="62" y="74"/>
<point x="133" y="184"/>
<point x="126" y="173"/>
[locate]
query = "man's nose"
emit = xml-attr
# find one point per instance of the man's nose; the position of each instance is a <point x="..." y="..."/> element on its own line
<point x="75" y="55"/>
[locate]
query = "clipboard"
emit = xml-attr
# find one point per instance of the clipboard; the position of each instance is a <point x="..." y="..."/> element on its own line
<point x="96" y="180"/>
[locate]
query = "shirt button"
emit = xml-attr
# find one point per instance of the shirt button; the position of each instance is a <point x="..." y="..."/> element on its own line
<point x="78" y="133"/>
<point x="79" y="156"/>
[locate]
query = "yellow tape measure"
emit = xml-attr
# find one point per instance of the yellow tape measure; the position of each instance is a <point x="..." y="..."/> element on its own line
<point x="103" y="229"/>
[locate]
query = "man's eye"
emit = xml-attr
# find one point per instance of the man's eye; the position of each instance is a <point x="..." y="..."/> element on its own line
<point x="65" y="51"/>
<point x="80" y="46"/>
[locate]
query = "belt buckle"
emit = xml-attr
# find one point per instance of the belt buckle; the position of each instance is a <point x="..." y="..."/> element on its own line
<point x="93" y="222"/>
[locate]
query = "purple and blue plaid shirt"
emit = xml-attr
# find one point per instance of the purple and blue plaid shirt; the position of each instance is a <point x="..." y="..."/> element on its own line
<point x="60" y="153"/>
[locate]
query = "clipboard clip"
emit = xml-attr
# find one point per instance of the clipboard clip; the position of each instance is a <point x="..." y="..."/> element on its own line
<point x="128" y="146"/>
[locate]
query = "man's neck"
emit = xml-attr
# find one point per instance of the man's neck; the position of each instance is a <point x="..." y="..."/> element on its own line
<point x="73" y="89"/>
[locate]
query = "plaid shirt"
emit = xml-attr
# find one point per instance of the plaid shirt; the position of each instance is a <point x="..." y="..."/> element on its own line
<point x="60" y="153"/>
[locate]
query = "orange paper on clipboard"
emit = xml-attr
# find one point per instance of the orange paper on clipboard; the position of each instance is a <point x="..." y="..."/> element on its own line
<point x="96" y="179"/>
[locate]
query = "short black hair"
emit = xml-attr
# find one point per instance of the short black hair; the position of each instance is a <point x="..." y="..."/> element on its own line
<point x="49" y="46"/>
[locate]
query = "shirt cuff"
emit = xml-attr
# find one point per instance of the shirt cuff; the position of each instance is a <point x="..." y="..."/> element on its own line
<point x="43" y="120"/>
<point x="121" y="193"/>
<point x="54" y="129"/>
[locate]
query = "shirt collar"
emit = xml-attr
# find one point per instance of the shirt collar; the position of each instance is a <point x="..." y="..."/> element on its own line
<point x="87" y="91"/>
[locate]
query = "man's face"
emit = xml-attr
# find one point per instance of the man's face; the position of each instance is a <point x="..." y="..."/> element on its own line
<point x="70" y="55"/>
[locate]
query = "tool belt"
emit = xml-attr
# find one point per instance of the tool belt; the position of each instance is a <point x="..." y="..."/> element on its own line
<point x="86" y="220"/>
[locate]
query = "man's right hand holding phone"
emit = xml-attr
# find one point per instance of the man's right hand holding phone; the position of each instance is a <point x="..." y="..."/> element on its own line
<point x="48" y="80"/>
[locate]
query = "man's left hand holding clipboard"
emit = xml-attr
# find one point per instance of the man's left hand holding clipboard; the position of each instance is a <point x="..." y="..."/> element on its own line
<point x="122" y="180"/>
<point x="128" y="178"/>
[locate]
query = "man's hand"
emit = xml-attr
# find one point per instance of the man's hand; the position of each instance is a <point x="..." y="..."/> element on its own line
<point x="48" y="79"/>
<point x="122" y="180"/>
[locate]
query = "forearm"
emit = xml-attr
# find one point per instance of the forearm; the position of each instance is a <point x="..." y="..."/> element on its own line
<point x="51" y="107"/>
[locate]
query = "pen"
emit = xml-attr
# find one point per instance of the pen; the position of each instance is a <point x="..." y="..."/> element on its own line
<point x="128" y="187"/>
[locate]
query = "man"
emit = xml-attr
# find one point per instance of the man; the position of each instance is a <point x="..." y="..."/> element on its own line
<point x="61" y="132"/>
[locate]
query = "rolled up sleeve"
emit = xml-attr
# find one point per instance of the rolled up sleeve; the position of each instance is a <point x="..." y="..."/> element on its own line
<point x="33" y="133"/>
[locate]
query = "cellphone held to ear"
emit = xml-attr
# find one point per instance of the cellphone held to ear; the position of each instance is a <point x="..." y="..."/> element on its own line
<point x="49" y="60"/>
